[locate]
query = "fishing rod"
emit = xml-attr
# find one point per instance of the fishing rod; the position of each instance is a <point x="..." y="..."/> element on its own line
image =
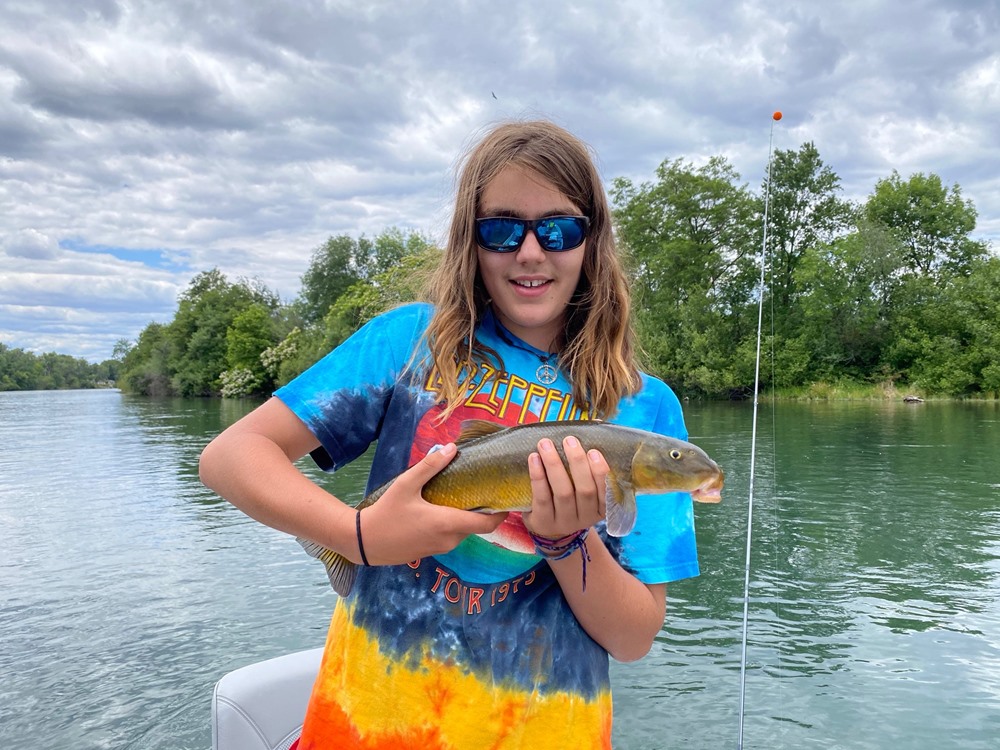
<point x="753" y="440"/>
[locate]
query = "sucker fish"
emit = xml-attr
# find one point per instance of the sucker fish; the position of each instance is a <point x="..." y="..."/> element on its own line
<point x="489" y="474"/>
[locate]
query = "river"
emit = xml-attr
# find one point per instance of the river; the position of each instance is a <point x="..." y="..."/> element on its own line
<point x="127" y="589"/>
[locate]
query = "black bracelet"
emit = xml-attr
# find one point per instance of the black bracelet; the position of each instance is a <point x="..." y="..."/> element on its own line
<point x="361" y="544"/>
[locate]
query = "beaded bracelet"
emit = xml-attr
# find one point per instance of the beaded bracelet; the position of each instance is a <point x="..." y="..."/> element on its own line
<point x="558" y="549"/>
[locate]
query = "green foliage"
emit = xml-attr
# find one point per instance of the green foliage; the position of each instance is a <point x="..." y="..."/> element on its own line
<point x="188" y="356"/>
<point x="237" y="339"/>
<point x="299" y="351"/>
<point x="896" y="291"/>
<point x="690" y="239"/>
<point x="689" y="231"/>
<point x="931" y="221"/>
<point x="804" y="211"/>
<point x="249" y="335"/>
<point x="332" y="270"/>
<point x="843" y="311"/>
<point x="238" y="382"/>
<point x="857" y="300"/>
<point x="198" y="335"/>
<point x="397" y="284"/>
<point x="394" y="276"/>
<point x="946" y="333"/>
<point x="25" y="371"/>
<point x="145" y="368"/>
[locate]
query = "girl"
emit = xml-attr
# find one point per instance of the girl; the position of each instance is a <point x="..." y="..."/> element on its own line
<point x="467" y="630"/>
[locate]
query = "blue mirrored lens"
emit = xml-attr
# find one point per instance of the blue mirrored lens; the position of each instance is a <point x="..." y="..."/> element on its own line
<point x="501" y="234"/>
<point x="560" y="233"/>
<point x="556" y="233"/>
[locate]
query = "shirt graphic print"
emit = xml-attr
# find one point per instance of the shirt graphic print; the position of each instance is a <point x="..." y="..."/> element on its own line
<point x="476" y="648"/>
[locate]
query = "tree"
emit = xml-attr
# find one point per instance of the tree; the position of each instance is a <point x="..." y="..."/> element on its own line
<point x="24" y="371"/>
<point x="341" y="262"/>
<point x="198" y="333"/>
<point x="688" y="230"/>
<point x="331" y="272"/>
<point x="690" y="239"/>
<point x="804" y="211"/>
<point x="843" y="311"/>
<point x="248" y="336"/>
<point x="931" y="221"/>
<point x="398" y="284"/>
<point x="187" y="356"/>
<point x="390" y="271"/>
<point x="947" y="332"/>
<point x="146" y="368"/>
<point x="19" y="370"/>
<point x="390" y="249"/>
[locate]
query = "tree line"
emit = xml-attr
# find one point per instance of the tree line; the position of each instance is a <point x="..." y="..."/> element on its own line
<point x="892" y="291"/>
<point x="21" y="370"/>
<point x="236" y="338"/>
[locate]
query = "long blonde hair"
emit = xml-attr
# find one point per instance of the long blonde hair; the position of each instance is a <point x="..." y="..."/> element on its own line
<point x="597" y="349"/>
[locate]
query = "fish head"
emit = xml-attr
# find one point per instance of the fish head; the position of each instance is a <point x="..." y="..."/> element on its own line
<point x="670" y="465"/>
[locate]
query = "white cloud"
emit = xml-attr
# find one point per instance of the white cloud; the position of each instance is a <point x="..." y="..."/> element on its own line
<point x="29" y="244"/>
<point x="200" y="134"/>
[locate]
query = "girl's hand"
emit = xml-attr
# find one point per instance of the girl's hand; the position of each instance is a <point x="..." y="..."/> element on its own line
<point x="402" y="526"/>
<point x="565" y="500"/>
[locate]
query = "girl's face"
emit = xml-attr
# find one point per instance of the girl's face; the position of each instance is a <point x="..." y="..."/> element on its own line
<point x="531" y="287"/>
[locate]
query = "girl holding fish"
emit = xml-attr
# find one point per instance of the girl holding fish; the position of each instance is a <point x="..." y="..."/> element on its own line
<point x="468" y="629"/>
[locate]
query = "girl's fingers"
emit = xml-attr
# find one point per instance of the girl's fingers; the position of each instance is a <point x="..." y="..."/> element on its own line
<point x="558" y="477"/>
<point x="589" y="471"/>
<point x="581" y="474"/>
<point x="542" y="510"/>
<point x="600" y="469"/>
<point x="421" y="472"/>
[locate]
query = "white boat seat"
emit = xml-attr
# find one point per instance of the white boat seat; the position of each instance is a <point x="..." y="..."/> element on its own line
<point x="261" y="706"/>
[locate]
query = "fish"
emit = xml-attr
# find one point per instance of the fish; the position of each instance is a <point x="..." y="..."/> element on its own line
<point x="489" y="474"/>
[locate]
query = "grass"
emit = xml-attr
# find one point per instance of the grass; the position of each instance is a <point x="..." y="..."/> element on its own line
<point x="848" y="390"/>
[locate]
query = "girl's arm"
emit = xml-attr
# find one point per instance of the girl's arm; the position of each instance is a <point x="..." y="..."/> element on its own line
<point x="617" y="610"/>
<point x="251" y="464"/>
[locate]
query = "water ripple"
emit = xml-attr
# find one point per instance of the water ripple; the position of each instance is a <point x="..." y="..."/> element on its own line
<point x="129" y="588"/>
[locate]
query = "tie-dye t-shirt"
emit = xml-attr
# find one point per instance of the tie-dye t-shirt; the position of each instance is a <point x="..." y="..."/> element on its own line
<point x="476" y="648"/>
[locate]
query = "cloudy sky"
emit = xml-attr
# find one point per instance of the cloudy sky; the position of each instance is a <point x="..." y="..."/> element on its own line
<point x="143" y="141"/>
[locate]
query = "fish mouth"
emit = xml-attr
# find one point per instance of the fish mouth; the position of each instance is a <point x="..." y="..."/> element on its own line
<point x="710" y="491"/>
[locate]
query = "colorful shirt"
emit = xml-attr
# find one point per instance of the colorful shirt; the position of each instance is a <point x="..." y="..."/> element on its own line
<point x="476" y="648"/>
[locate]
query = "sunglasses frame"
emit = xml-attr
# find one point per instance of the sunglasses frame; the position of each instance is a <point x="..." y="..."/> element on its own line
<point x="532" y="226"/>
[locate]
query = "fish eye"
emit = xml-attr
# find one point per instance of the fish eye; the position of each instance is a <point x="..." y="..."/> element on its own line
<point x="675" y="454"/>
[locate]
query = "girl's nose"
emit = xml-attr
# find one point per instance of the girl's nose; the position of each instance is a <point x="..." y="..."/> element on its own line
<point x="530" y="250"/>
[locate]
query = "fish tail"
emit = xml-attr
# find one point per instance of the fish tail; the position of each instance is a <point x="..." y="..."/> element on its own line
<point x="339" y="569"/>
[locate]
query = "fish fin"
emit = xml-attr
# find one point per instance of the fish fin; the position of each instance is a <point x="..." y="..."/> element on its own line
<point x="487" y="510"/>
<point x="339" y="569"/>
<point x="472" y="429"/>
<point x="621" y="508"/>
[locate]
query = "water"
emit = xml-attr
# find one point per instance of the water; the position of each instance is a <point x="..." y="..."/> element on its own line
<point x="127" y="589"/>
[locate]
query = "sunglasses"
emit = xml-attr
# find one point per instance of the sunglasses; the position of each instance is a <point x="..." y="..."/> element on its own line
<point x="504" y="234"/>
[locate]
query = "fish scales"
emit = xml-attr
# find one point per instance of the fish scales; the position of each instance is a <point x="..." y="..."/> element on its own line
<point x="490" y="474"/>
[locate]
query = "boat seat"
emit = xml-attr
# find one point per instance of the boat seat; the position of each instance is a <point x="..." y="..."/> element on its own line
<point x="261" y="706"/>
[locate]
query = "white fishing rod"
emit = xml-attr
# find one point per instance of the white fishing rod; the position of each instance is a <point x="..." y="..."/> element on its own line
<point x="753" y="439"/>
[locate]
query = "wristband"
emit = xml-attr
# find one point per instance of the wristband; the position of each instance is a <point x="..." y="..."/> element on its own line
<point x="361" y="544"/>
<point x="563" y="547"/>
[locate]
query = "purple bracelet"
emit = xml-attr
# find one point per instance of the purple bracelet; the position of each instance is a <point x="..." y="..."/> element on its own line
<point x="557" y="549"/>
